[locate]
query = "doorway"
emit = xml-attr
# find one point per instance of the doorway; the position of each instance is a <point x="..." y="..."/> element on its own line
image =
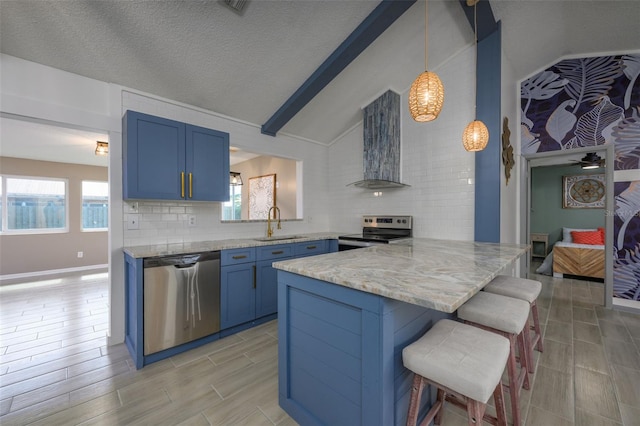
<point x="547" y="214"/>
<point x="37" y="154"/>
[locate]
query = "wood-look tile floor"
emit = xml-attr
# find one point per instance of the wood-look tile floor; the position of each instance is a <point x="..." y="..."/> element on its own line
<point x="55" y="367"/>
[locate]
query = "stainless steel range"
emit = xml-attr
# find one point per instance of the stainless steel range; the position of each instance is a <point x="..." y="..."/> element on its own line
<point x="378" y="230"/>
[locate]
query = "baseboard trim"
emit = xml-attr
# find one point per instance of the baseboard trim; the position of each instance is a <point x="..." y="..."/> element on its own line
<point x="38" y="274"/>
<point x="626" y="305"/>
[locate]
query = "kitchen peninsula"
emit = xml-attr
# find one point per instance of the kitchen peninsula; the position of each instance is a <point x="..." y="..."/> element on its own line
<point x="344" y="318"/>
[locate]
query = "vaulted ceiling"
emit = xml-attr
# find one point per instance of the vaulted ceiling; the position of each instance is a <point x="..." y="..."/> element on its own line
<point x="247" y="65"/>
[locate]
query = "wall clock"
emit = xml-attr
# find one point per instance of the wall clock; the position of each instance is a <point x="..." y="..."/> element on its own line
<point x="583" y="191"/>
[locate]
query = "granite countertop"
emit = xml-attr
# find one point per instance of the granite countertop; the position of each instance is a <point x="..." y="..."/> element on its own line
<point x="437" y="274"/>
<point x="214" y="245"/>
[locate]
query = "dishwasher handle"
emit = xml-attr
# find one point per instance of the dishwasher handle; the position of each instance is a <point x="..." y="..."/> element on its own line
<point x="185" y="265"/>
<point x="181" y="260"/>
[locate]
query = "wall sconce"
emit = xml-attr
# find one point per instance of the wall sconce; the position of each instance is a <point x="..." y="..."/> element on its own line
<point x="235" y="178"/>
<point x="102" y="148"/>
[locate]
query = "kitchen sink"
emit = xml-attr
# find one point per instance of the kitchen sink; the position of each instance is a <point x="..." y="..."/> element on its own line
<point x="278" y="238"/>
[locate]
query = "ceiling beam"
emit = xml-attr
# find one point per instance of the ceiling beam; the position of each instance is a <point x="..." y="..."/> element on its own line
<point x="375" y="24"/>
<point x="486" y="21"/>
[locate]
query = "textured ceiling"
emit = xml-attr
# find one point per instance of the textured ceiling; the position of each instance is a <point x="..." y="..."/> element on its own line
<point x="245" y="66"/>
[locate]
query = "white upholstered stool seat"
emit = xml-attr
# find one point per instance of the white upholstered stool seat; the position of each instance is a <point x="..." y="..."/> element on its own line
<point x="527" y="290"/>
<point x="509" y="317"/>
<point x="465" y="363"/>
<point x="492" y="310"/>
<point x="519" y="288"/>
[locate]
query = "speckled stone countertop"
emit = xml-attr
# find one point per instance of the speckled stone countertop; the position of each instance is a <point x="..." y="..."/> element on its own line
<point x="437" y="274"/>
<point x="213" y="245"/>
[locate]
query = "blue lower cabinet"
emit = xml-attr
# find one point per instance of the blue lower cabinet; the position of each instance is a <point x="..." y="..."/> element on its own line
<point x="267" y="288"/>
<point x="237" y="294"/>
<point x="267" y="282"/>
<point x="311" y="248"/>
<point x="340" y="353"/>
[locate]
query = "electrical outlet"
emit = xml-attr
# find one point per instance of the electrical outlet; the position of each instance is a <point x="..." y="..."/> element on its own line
<point x="80" y="255"/>
<point x="192" y="220"/>
<point x="132" y="222"/>
<point x="131" y="207"/>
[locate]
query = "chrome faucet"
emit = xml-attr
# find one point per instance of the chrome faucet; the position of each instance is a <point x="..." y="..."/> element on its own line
<point x="269" y="229"/>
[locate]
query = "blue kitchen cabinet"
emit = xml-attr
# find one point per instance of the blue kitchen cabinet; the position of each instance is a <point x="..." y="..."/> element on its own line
<point x="312" y="248"/>
<point x="249" y="284"/>
<point x="237" y="287"/>
<point x="267" y="282"/>
<point x="168" y="160"/>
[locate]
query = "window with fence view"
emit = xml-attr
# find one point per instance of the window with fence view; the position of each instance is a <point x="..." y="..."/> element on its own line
<point x="34" y="204"/>
<point x="95" y="205"/>
<point x="232" y="209"/>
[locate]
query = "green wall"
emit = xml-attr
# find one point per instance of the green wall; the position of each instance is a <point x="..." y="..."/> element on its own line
<point x="547" y="214"/>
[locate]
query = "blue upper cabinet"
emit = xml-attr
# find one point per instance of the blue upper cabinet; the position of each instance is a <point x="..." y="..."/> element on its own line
<point x="207" y="164"/>
<point x="168" y="160"/>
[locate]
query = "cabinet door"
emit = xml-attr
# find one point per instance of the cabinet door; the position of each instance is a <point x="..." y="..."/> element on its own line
<point x="267" y="288"/>
<point x="207" y="164"/>
<point x="237" y="294"/>
<point x="154" y="157"/>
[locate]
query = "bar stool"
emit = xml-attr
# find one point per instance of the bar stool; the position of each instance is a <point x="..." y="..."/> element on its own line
<point x="465" y="364"/>
<point x="527" y="290"/>
<point x="508" y="317"/>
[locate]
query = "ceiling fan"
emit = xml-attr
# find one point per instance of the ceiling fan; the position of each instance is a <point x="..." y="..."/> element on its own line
<point x="591" y="161"/>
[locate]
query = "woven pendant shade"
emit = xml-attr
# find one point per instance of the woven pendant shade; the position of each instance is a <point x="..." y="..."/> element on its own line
<point x="426" y="97"/>
<point x="475" y="136"/>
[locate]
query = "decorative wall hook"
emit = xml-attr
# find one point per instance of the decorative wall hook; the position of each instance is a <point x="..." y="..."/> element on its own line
<point x="507" y="149"/>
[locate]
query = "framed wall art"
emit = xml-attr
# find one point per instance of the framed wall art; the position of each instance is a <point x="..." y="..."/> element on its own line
<point x="262" y="196"/>
<point x="583" y="191"/>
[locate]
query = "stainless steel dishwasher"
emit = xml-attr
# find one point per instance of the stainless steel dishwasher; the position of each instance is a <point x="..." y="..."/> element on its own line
<point x="181" y="299"/>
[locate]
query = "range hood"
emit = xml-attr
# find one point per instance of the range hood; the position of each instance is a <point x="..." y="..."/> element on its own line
<point x="381" y="158"/>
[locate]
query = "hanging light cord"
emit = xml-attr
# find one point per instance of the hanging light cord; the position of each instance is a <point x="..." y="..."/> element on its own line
<point x="426" y="33"/>
<point x="475" y="62"/>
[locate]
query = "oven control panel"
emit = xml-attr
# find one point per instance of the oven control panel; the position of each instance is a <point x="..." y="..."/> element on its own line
<point x="395" y="222"/>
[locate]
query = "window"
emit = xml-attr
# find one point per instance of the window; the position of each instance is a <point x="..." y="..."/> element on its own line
<point x="95" y="206"/>
<point x="232" y="209"/>
<point x="34" y="204"/>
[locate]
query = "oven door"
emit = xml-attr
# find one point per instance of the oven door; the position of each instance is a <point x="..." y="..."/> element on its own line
<point x="353" y="244"/>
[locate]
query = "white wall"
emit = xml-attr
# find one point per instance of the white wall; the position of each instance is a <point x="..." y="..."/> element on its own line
<point x="509" y="194"/>
<point x="434" y="163"/>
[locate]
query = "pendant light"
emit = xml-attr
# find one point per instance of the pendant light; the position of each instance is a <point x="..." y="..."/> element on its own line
<point x="235" y="178"/>
<point x="102" y="148"/>
<point x="426" y="94"/>
<point x="476" y="135"/>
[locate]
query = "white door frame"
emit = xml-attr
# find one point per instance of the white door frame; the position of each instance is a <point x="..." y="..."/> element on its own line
<point x="561" y="157"/>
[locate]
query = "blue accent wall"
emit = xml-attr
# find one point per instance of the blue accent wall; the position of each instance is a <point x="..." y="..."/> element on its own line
<point x="487" y="177"/>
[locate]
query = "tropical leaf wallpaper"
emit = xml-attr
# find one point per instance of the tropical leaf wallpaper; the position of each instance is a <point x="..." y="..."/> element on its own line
<point x="588" y="102"/>
<point x="626" y="223"/>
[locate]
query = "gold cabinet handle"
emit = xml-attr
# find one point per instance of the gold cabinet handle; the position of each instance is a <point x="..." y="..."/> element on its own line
<point x="311" y="247"/>
<point x="190" y="185"/>
<point x="277" y="252"/>
<point x="182" y="184"/>
<point x="242" y="256"/>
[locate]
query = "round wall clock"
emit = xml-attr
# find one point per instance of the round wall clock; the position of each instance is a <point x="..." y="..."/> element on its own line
<point x="583" y="191"/>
